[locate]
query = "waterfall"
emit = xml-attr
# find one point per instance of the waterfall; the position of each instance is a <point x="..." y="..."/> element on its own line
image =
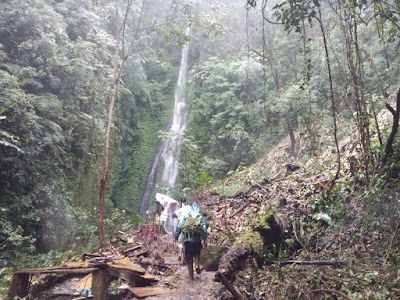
<point x="171" y="151"/>
<point x="168" y="151"/>
<point x="144" y="205"/>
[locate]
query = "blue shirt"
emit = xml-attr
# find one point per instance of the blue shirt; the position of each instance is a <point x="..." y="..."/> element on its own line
<point x="196" y="211"/>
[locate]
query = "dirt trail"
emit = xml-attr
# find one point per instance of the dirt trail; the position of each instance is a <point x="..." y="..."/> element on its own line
<point x="182" y="288"/>
<point x="202" y="287"/>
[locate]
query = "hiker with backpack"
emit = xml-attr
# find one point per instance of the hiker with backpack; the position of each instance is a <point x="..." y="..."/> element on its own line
<point x="180" y="214"/>
<point x="194" y="230"/>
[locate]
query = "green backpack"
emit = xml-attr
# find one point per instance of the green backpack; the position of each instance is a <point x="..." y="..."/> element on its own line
<point x="192" y="227"/>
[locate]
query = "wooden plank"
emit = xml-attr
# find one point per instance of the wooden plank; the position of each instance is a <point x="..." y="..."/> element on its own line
<point x="143" y="292"/>
<point x="68" y="266"/>
<point x="131" y="276"/>
<point x="56" y="271"/>
<point x="125" y="263"/>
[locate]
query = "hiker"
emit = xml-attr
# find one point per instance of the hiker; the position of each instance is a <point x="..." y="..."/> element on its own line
<point x="183" y="201"/>
<point x="194" y="229"/>
<point x="180" y="214"/>
<point x="183" y="211"/>
<point x="169" y="207"/>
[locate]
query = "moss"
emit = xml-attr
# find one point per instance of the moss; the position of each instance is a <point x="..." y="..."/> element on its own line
<point x="253" y="238"/>
<point x="262" y="222"/>
<point x="135" y="154"/>
<point x="265" y="223"/>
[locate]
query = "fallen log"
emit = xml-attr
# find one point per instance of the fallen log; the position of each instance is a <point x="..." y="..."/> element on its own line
<point x="264" y="231"/>
<point x="337" y="263"/>
<point x="235" y="259"/>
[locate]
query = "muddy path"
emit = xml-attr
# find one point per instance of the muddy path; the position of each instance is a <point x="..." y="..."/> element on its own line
<point x="181" y="287"/>
<point x="202" y="287"/>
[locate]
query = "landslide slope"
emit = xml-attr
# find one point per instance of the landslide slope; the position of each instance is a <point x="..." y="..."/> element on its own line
<point x="344" y="245"/>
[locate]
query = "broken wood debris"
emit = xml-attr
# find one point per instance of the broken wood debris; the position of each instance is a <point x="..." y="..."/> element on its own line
<point x="120" y="267"/>
<point x="101" y="259"/>
<point x="143" y="292"/>
<point x="20" y="282"/>
<point x="131" y="249"/>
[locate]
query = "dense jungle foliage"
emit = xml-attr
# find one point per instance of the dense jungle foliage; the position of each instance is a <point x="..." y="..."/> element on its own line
<point x="56" y="61"/>
<point x="324" y="67"/>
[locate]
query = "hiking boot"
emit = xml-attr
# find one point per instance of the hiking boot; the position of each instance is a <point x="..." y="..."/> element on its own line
<point x="190" y="269"/>
<point x="197" y="264"/>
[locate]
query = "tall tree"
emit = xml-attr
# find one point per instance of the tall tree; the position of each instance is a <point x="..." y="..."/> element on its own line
<point x="349" y="25"/>
<point x="117" y="70"/>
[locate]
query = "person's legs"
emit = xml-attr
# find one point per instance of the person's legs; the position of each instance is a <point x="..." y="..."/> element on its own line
<point x="181" y="249"/>
<point x="196" y="253"/>
<point x="189" y="258"/>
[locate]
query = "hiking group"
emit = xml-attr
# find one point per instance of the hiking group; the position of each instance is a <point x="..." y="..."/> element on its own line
<point x="193" y="228"/>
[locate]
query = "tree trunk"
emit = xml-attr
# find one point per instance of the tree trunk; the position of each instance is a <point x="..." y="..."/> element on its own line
<point x="117" y="69"/>
<point x="395" y="127"/>
<point x="19" y="286"/>
<point x="106" y="167"/>
<point x="354" y="63"/>
<point x="292" y="137"/>
<point x="333" y="105"/>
